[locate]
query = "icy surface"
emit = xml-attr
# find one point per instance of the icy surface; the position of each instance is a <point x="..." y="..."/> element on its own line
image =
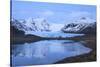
<point x="54" y="34"/>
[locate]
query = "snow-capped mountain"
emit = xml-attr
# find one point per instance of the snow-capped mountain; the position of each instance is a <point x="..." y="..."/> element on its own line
<point x="19" y="24"/>
<point x="41" y="27"/>
<point x="77" y="27"/>
<point x="38" y="24"/>
<point x="82" y="25"/>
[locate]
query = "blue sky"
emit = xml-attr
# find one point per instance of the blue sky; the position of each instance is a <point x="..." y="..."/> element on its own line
<point x="52" y="12"/>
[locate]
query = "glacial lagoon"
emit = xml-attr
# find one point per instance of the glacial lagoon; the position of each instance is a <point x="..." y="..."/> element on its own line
<point x="46" y="52"/>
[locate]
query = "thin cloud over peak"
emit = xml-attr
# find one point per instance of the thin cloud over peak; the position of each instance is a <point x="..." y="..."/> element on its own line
<point x="47" y="13"/>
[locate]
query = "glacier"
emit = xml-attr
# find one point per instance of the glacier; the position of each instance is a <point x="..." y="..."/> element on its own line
<point x="53" y="34"/>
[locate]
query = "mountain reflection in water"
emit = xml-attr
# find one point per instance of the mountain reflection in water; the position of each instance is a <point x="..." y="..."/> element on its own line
<point x="46" y="52"/>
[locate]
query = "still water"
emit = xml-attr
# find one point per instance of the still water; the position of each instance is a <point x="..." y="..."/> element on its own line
<point x="46" y="52"/>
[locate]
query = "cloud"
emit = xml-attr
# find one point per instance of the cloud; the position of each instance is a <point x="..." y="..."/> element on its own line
<point x="46" y="13"/>
<point x="78" y="14"/>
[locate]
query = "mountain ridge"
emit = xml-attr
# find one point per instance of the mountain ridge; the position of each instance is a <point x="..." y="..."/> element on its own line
<point x="82" y="25"/>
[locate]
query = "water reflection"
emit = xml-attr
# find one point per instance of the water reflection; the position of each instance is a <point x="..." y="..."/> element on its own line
<point x="46" y="52"/>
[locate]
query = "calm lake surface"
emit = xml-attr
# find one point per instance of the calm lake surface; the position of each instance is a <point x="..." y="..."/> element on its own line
<point x="46" y="52"/>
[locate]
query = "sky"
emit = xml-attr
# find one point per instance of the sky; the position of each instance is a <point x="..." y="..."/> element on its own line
<point x="52" y="12"/>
